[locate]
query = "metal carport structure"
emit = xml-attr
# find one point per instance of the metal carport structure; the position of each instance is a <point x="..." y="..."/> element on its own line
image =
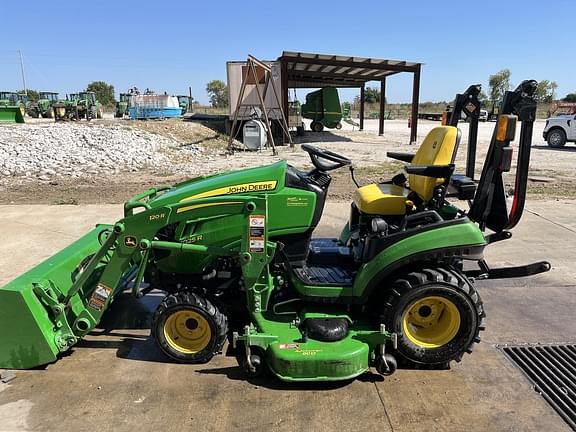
<point x="307" y="70"/>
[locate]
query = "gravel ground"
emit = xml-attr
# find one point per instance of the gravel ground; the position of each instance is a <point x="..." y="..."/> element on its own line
<point x="79" y="149"/>
<point x="110" y="160"/>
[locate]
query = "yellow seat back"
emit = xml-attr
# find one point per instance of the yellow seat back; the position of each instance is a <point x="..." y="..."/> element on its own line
<point x="438" y="148"/>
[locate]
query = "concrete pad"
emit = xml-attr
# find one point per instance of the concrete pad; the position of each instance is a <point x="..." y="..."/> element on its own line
<point x="117" y="380"/>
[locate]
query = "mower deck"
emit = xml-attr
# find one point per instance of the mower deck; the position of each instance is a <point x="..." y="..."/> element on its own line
<point x="292" y="356"/>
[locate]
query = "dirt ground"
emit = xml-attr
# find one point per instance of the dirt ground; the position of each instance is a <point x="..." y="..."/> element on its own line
<point x="552" y="173"/>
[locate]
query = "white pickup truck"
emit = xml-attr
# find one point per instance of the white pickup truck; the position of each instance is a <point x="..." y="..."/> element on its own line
<point x="560" y="129"/>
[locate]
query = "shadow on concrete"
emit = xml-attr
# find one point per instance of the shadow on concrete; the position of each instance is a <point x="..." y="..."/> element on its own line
<point x="128" y="312"/>
<point x="271" y="382"/>
<point x="314" y="137"/>
<point x="558" y="149"/>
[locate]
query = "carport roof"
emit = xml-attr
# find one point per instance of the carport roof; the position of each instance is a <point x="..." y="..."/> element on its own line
<point x="322" y="70"/>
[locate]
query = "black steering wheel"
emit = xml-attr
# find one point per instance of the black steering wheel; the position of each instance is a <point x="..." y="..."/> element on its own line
<point x="319" y="157"/>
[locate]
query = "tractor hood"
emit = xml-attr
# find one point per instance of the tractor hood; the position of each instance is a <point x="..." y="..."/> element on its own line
<point x="250" y="181"/>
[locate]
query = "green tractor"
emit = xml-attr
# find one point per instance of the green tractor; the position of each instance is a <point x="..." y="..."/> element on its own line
<point x="81" y="105"/>
<point x="46" y="102"/>
<point x="323" y="108"/>
<point x="45" y="106"/>
<point x="184" y="102"/>
<point x="235" y="257"/>
<point x="122" y="105"/>
<point x="12" y="110"/>
<point x="87" y="106"/>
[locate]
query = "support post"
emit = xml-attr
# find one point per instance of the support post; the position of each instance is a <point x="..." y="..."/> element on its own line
<point x="382" y="106"/>
<point x="189" y="99"/>
<point x="362" y="106"/>
<point x="22" y="70"/>
<point x="415" y="102"/>
<point x="284" y="94"/>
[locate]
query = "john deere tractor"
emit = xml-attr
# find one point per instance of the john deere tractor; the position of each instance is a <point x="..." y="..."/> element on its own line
<point x="45" y="106"/>
<point x="12" y="110"/>
<point x="235" y="256"/>
<point x="122" y="105"/>
<point x="81" y="105"/>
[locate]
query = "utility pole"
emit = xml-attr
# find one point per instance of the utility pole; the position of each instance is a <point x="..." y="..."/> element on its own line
<point x="22" y="70"/>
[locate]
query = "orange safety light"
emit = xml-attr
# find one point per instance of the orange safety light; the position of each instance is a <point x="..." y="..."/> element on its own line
<point x="506" y="128"/>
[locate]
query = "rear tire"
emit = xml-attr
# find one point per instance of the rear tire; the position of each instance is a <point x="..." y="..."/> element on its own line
<point x="316" y="126"/>
<point x="437" y="314"/>
<point x="189" y="328"/>
<point x="556" y="138"/>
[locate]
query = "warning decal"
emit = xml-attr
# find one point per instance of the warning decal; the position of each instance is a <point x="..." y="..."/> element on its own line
<point x="257" y="233"/>
<point x="99" y="297"/>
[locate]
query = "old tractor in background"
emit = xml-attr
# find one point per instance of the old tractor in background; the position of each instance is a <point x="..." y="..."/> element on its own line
<point x="295" y="116"/>
<point x="323" y="108"/>
<point x="122" y="105"/>
<point x="12" y="110"/>
<point x="87" y="106"/>
<point x="44" y="107"/>
<point x="77" y="106"/>
<point x="235" y="256"/>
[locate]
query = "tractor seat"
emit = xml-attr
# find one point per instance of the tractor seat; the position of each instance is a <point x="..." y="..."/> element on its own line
<point x="437" y="150"/>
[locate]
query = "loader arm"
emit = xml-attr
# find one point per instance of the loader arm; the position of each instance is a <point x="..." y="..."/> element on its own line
<point x="62" y="299"/>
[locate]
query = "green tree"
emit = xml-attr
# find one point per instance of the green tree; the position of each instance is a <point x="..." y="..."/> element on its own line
<point x="372" y="95"/>
<point x="546" y="91"/>
<point x="499" y="83"/>
<point x="104" y="92"/>
<point x="218" y="93"/>
<point x="570" y="97"/>
<point x="32" y="95"/>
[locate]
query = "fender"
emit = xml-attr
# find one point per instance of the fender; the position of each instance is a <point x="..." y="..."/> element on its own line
<point x="463" y="240"/>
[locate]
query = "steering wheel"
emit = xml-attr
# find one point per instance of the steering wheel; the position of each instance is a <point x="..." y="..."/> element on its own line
<point x="319" y="157"/>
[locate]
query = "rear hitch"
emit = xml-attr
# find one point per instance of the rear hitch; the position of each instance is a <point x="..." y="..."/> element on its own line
<point x="486" y="272"/>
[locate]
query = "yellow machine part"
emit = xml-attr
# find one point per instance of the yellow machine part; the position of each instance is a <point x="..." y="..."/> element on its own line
<point x="431" y="322"/>
<point x="381" y="199"/>
<point x="439" y="148"/>
<point x="187" y="332"/>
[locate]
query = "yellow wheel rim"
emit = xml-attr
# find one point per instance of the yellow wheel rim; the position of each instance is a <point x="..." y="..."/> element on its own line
<point x="187" y="332"/>
<point x="431" y="322"/>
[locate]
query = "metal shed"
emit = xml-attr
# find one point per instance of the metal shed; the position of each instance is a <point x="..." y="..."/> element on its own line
<point x="307" y="70"/>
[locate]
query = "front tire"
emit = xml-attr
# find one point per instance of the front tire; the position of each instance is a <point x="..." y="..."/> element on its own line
<point x="556" y="138"/>
<point x="437" y="314"/>
<point x="189" y="328"/>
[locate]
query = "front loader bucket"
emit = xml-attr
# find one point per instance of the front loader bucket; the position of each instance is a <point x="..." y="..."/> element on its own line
<point x="11" y="114"/>
<point x="32" y="331"/>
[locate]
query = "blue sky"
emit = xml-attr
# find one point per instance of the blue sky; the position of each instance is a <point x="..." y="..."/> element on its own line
<point x="170" y="45"/>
